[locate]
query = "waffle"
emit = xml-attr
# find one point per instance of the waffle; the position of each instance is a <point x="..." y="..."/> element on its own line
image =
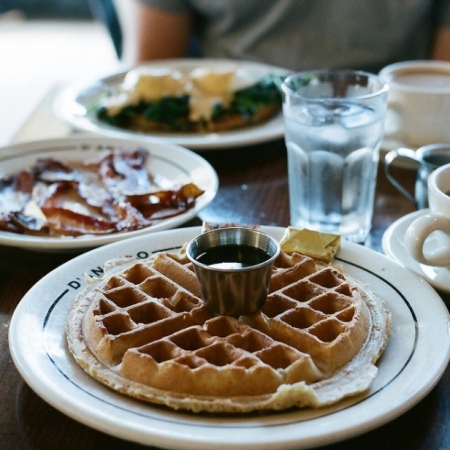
<point x="143" y="330"/>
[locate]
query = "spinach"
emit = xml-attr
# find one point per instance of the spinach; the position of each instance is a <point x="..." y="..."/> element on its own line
<point x="168" y="110"/>
<point x="247" y="101"/>
<point x="174" y="111"/>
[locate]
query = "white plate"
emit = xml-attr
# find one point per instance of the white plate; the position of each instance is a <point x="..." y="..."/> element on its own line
<point x="394" y="248"/>
<point x="411" y="365"/>
<point x="74" y="106"/>
<point x="174" y="165"/>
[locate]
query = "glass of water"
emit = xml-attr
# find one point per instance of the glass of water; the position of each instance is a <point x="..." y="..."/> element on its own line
<point x="333" y="130"/>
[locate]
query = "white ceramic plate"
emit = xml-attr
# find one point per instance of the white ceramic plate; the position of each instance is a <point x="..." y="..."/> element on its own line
<point x="411" y="365"/>
<point x="74" y="105"/>
<point x="394" y="248"/>
<point x="172" y="164"/>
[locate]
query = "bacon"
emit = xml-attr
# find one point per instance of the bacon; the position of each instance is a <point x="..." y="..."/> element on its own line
<point x="163" y="204"/>
<point x="51" y="170"/>
<point x="130" y="218"/>
<point x="126" y="172"/>
<point x="60" y="203"/>
<point x="59" y="206"/>
<point x="65" y="222"/>
<point x="17" y="222"/>
<point x="22" y="182"/>
<point x="113" y="194"/>
<point x="15" y="191"/>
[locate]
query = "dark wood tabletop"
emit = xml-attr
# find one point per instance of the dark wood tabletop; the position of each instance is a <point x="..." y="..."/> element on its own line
<point x="253" y="189"/>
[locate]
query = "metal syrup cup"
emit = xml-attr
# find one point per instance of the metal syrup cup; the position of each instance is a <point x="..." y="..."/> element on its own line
<point x="233" y="291"/>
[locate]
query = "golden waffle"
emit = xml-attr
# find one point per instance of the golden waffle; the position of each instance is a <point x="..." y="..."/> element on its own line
<point x="143" y="330"/>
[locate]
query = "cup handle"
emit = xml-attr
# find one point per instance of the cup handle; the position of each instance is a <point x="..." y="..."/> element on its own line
<point x="389" y="158"/>
<point x="418" y="232"/>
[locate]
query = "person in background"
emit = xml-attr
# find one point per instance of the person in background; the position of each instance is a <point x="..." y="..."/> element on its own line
<point x="295" y="34"/>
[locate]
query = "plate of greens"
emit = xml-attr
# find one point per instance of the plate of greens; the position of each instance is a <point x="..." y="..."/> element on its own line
<point x="244" y="120"/>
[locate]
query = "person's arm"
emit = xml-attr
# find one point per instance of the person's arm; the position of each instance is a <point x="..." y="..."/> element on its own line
<point x="441" y="46"/>
<point x="150" y="33"/>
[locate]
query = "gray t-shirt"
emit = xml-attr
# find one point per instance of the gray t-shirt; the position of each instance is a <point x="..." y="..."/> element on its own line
<point x="313" y="34"/>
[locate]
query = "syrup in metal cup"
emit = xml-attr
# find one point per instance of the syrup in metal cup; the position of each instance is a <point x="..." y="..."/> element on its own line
<point x="234" y="267"/>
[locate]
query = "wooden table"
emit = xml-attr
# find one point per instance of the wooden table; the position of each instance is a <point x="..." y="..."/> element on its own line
<point x="253" y="189"/>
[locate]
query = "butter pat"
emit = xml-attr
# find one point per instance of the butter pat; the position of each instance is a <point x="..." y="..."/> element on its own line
<point x="320" y="246"/>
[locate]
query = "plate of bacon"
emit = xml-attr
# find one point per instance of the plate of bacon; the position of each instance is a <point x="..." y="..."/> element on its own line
<point x="80" y="193"/>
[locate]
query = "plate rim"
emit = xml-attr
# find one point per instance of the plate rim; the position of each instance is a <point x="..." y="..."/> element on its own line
<point x="265" y="132"/>
<point x="164" y="439"/>
<point x="157" y="147"/>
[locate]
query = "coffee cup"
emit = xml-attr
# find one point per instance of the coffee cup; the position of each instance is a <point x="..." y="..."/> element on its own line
<point x="418" y="102"/>
<point x="426" y="159"/>
<point x="436" y="222"/>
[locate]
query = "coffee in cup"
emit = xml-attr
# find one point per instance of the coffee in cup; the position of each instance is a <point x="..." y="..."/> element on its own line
<point x="436" y="222"/>
<point x="418" y="102"/>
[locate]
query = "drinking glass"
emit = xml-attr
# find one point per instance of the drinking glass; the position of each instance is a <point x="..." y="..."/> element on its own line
<point x="333" y="131"/>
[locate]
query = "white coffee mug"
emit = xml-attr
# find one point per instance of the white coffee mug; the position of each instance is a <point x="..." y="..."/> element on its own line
<point x="436" y="221"/>
<point x="418" y="102"/>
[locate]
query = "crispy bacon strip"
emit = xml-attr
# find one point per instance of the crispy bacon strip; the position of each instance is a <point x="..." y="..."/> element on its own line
<point x="19" y="223"/>
<point x="52" y="170"/>
<point x="15" y="193"/>
<point x="59" y="204"/>
<point x="126" y="172"/>
<point x="164" y="204"/>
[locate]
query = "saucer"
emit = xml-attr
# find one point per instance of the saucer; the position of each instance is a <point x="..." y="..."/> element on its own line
<point x="394" y="248"/>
